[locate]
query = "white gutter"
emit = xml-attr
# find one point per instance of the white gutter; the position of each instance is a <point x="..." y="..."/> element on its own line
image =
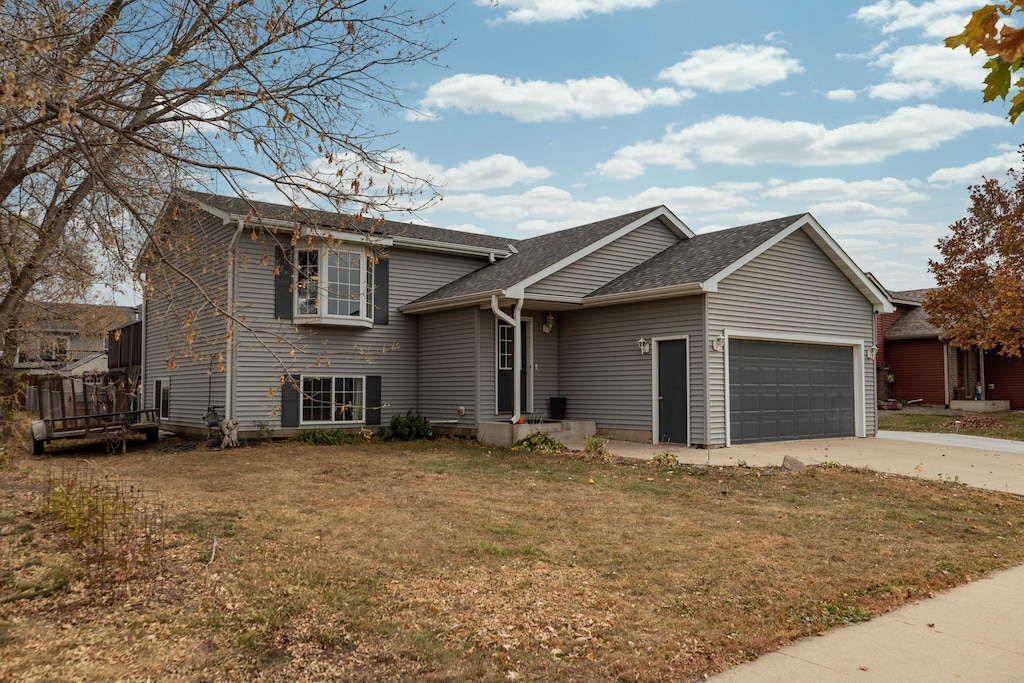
<point x="449" y="247"/>
<point x="229" y="373"/>
<point x="517" y="352"/>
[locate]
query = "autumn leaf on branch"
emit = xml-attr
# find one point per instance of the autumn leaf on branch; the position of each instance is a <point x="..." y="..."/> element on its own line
<point x="988" y="32"/>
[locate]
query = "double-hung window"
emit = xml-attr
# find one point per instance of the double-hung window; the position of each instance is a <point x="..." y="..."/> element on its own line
<point x="334" y="286"/>
<point x="333" y="399"/>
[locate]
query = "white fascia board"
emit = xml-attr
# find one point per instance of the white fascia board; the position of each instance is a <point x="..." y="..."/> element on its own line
<point x="344" y="236"/>
<point x="661" y="212"/>
<point x="647" y="295"/>
<point x="449" y="247"/>
<point x="879" y="301"/>
<point x="474" y="299"/>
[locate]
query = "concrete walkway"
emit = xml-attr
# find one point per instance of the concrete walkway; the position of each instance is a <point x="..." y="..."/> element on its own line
<point x="971" y="633"/>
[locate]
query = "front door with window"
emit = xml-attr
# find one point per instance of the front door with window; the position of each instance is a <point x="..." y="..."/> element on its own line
<point x="505" y="350"/>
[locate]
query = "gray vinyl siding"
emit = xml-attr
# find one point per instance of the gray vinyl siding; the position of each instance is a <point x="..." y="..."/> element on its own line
<point x="447" y="371"/>
<point x="607" y="263"/>
<point x="270" y="348"/>
<point x="183" y="354"/>
<point x="791" y="288"/>
<point x="604" y="376"/>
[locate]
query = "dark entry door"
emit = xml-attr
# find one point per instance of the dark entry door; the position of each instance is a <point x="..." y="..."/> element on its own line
<point x="672" y="391"/>
<point x="505" y="351"/>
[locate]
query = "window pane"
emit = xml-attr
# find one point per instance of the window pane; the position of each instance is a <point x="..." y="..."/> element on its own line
<point x="316" y="399"/>
<point x="348" y="399"/>
<point x="306" y="284"/>
<point x="344" y="283"/>
<point x="505" y="346"/>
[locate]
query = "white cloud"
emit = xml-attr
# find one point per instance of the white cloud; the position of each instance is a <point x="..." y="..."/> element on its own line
<point x="937" y="19"/>
<point x="737" y="140"/>
<point x="533" y="101"/>
<point x="971" y="174"/>
<point x="548" y="208"/>
<point x="853" y="207"/>
<point x="893" y="92"/>
<point x="535" y="11"/>
<point x="836" y="189"/>
<point x="493" y="172"/>
<point x="842" y="95"/>
<point x="732" y="68"/>
<point x="925" y="70"/>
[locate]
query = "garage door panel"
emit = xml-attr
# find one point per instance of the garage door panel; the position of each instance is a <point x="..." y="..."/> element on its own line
<point x="781" y="390"/>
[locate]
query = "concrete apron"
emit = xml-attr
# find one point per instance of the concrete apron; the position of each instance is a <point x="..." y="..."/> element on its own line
<point x="980" y="467"/>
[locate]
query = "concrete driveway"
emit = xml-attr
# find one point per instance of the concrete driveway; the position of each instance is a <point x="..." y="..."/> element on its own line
<point x="984" y="463"/>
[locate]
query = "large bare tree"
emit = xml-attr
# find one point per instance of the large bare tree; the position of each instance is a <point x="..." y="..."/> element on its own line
<point x="105" y="106"/>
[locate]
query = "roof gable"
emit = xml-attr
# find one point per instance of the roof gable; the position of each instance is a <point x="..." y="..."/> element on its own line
<point x="540" y="256"/>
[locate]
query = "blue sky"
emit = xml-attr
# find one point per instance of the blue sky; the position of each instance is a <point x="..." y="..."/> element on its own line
<point x="553" y="113"/>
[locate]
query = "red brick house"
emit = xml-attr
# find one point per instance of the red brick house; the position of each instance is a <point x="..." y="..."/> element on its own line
<point x="915" y="363"/>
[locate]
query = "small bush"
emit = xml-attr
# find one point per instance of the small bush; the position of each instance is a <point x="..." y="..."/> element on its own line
<point x="665" y="460"/>
<point x="323" y="437"/>
<point x="597" y="449"/>
<point x="408" y="427"/>
<point x="264" y="431"/>
<point x="538" y="442"/>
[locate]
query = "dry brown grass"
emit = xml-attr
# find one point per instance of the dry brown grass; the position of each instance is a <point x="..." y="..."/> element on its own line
<point x="446" y="561"/>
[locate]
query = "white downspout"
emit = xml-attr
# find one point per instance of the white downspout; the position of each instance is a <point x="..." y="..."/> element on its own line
<point x="229" y="372"/>
<point x="517" y="352"/>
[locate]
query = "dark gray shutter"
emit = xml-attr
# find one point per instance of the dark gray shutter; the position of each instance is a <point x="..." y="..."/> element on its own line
<point x="373" y="400"/>
<point x="380" y="292"/>
<point x="291" y="402"/>
<point x="283" y="298"/>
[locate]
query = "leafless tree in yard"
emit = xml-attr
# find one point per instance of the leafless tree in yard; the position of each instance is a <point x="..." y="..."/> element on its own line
<point x="106" y="106"/>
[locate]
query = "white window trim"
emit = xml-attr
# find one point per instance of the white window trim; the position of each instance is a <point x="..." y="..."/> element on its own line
<point x="333" y="378"/>
<point x="856" y="346"/>
<point x="322" y="317"/>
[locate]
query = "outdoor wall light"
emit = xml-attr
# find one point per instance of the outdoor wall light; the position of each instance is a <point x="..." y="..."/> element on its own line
<point x="870" y="352"/>
<point x="550" y="324"/>
<point x="645" y="346"/>
<point x="718" y="343"/>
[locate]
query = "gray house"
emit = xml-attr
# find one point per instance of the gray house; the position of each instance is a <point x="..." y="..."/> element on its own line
<point x="291" y="319"/>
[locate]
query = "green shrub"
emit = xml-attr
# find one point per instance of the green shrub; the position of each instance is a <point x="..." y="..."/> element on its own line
<point x="538" y="442"/>
<point x="408" y="427"/>
<point x="323" y="437"/>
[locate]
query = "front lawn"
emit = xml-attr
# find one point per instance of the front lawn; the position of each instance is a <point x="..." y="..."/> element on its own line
<point x="908" y="422"/>
<point x="447" y="561"/>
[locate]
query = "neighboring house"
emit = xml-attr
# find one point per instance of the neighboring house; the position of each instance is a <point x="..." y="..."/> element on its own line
<point x="924" y="367"/>
<point x="757" y="333"/>
<point x="69" y="339"/>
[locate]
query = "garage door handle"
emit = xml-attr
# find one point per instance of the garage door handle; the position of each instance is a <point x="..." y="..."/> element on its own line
<point x="660" y="397"/>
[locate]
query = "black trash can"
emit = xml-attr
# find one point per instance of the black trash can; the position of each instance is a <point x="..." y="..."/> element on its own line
<point x="558" y="407"/>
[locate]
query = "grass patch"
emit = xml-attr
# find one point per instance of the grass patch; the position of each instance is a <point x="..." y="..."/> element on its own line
<point x="445" y="560"/>
<point x="908" y="422"/>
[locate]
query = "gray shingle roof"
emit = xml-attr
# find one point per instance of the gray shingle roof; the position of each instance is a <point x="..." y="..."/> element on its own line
<point x="696" y="259"/>
<point x="913" y="325"/>
<point x="338" y="221"/>
<point x="916" y="295"/>
<point x="535" y="254"/>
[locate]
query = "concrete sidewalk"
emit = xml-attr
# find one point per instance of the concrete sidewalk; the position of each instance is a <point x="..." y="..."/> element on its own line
<point x="971" y="633"/>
